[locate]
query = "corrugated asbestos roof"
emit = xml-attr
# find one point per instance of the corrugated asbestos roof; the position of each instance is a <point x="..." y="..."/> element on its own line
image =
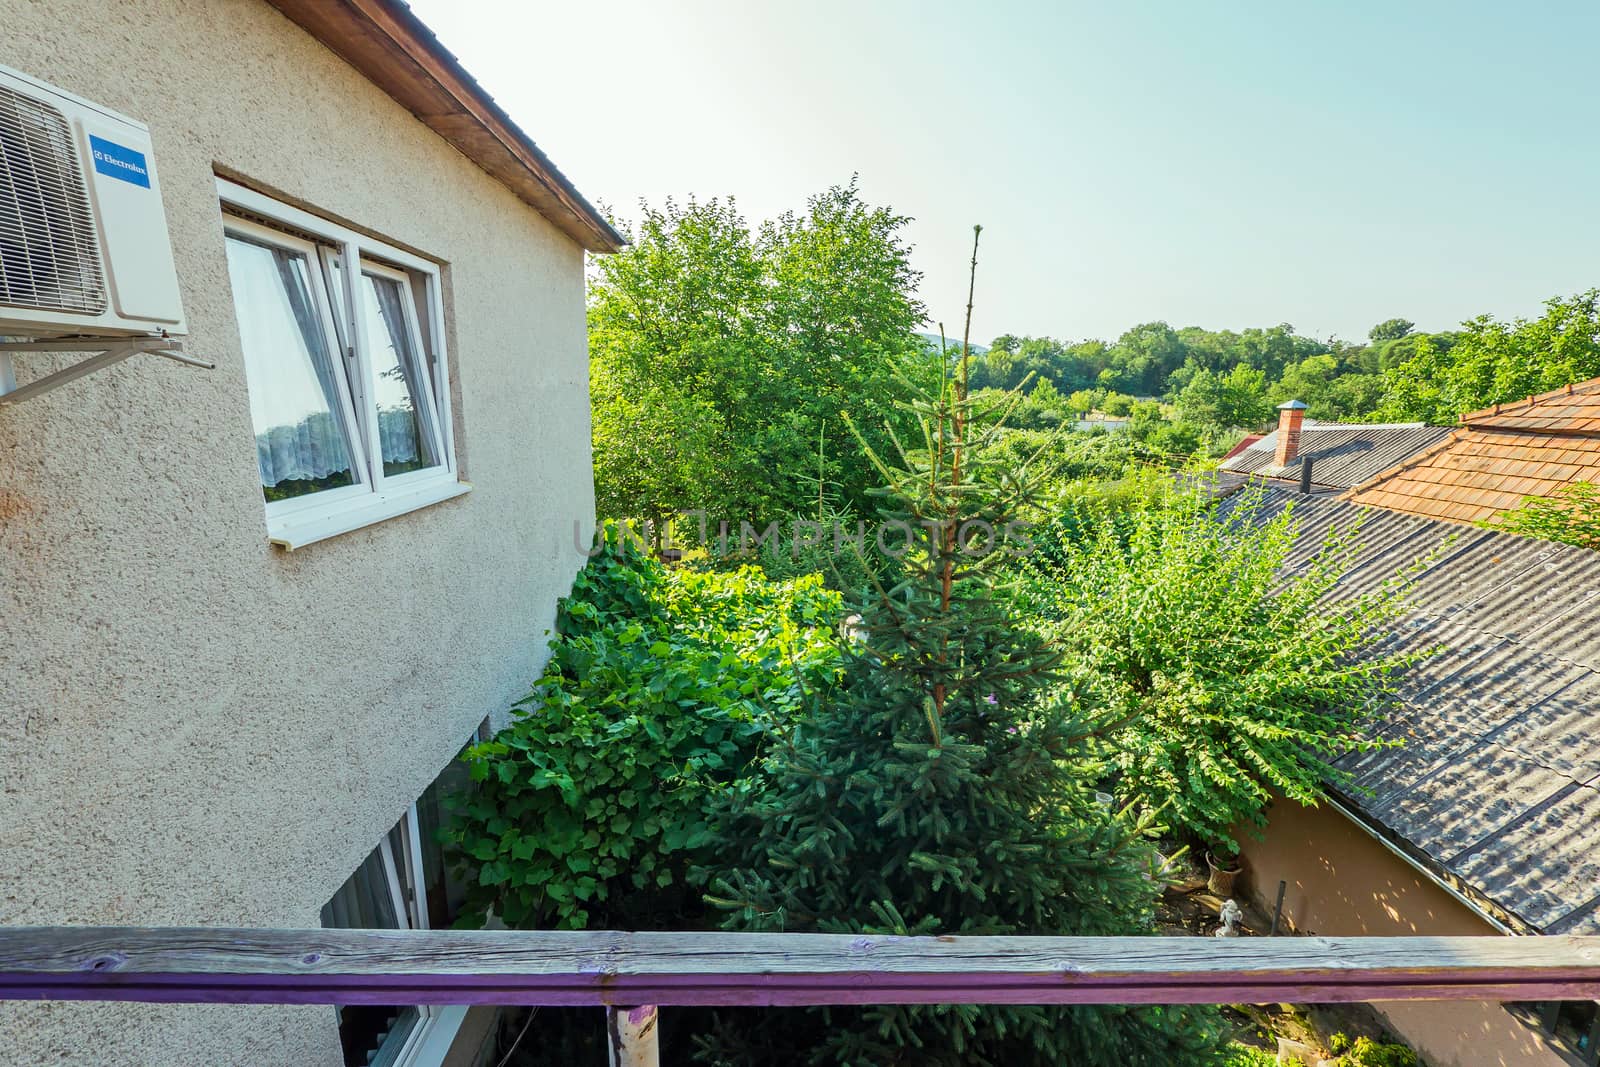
<point x="1343" y="455"/>
<point x="1498" y="782"/>
<point x="1498" y="458"/>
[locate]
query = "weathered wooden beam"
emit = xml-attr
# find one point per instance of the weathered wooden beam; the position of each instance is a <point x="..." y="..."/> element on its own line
<point x="391" y="47"/>
<point x="621" y="969"/>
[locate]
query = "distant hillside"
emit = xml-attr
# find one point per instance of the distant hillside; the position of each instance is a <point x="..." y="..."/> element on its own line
<point x="953" y="343"/>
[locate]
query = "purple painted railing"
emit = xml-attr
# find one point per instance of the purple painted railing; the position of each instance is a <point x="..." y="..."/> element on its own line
<point x="627" y="971"/>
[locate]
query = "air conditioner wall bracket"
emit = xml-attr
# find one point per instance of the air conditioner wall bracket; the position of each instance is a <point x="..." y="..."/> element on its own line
<point x="104" y="354"/>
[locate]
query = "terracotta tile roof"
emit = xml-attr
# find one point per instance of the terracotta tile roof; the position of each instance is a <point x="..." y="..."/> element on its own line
<point x="1248" y="440"/>
<point x="1342" y="455"/>
<point x="1496" y="458"/>
<point x="1572" y="409"/>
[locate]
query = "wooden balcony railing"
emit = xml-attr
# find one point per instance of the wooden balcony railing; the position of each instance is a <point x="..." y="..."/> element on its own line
<point x="632" y="973"/>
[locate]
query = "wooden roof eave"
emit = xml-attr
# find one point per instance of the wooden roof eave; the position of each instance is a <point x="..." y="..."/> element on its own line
<point x="393" y="49"/>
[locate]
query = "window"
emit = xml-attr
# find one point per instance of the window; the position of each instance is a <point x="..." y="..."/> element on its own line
<point x="402" y="885"/>
<point x="345" y="359"/>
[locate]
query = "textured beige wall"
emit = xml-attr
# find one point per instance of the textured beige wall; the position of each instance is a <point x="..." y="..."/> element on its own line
<point x="195" y="727"/>
<point x="1342" y="883"/>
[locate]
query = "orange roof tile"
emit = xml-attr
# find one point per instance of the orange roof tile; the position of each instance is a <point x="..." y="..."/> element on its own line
<point x="1497" y="458"/>
<point x="1556" y="409"/>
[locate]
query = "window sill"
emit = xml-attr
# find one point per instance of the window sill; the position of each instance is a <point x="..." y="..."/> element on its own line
<point x="308" y="527"/>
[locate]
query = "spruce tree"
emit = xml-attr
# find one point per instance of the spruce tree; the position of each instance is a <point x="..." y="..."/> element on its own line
<point x="942" y="789"/>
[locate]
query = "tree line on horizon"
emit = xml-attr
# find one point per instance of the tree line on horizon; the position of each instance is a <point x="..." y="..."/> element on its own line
<point x="1187" y="390"/>
<point x="739" y="369"/>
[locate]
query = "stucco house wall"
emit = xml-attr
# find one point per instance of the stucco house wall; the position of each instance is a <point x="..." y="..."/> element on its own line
<point x="197" y="728"/>
<point x="1343" y="883"/>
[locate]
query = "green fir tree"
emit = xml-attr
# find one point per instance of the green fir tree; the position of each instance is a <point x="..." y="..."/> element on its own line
<point x="943" y="790"/>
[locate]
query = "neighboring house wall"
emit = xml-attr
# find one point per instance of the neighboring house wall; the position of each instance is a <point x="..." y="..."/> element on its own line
<point x="198" y="728"/>
<point x="1343" y="883"/>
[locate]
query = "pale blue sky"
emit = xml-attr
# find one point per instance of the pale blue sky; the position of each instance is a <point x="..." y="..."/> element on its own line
<point x="1223" y="164"/>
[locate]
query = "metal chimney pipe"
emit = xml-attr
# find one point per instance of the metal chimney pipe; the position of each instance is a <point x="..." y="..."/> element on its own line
<point x="1305" y="476"/>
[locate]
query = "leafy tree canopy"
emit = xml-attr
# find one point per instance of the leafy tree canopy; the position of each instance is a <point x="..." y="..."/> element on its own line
<point x="1493" y="362"/>
<point x="724" y="360"/>
<point x="1221" y="381"/>
<point x="1390" y="330"/>
<point x="1224" y="678"/>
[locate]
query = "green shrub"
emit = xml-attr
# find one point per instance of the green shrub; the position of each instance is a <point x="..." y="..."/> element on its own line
<point x="1224" y="677"/>
<point x="1143" y="486"/>
<point x="1571" y="516"/>
<point x="793" y="554"/>
<point x="661" y="689"/>
<point x="941" y="791"/>
<point x="1366" y="1052"/>
<point x="1250" y="1056"/>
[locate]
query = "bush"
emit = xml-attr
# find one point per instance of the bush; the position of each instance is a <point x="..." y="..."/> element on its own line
<point x="1141" y="487"/>
<point x="821" y="546"/>
<point x="1071" y="455"/>
<point x="1250" y="1056"/>
<point x="1572" y="516"/>
<point x="1225" y="677"/>
<point x="1366" y="1052"/>
<point x="661" y="690"/>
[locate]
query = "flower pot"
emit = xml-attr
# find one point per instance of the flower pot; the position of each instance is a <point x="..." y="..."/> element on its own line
<point x="1224" y="871"/>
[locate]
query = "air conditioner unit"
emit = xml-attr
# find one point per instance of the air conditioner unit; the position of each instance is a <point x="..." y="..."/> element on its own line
<point x="84" y="249"/>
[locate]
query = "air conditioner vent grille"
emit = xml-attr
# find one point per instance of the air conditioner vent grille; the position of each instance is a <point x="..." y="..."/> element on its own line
<point x="48" y="256"/>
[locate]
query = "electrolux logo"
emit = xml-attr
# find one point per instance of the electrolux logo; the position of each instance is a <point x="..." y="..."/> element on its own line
<point x="119" y="162"/>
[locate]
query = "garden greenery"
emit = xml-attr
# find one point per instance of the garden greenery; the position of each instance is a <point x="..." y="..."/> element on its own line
<point x="1221" y="673"/>
<point x="661" y="691"/>
<point x="703" y="748"/>
<point x="942" y="790"/>
<point x="1365" y="1052"/>
<point x="1251" y="1056"/>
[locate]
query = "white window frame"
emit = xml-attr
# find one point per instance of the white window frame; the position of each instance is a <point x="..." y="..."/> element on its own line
<point x="375" y="497"/>
<point x="437" y="1025"/>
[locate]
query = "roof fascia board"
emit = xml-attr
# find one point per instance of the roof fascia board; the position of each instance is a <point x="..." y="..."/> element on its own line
<point x="390" y="47"/>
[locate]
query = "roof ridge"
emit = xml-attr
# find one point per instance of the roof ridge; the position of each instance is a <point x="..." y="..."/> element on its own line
<point x="1267" y="441"/>
<point x="1515" y="406"/>
<point x="1438" y="446"/>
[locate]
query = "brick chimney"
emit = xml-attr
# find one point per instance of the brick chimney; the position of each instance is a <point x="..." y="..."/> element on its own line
<point x="1290" y="417"/>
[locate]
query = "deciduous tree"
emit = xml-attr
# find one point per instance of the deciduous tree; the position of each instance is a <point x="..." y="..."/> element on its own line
<point x="723" y="361"/>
